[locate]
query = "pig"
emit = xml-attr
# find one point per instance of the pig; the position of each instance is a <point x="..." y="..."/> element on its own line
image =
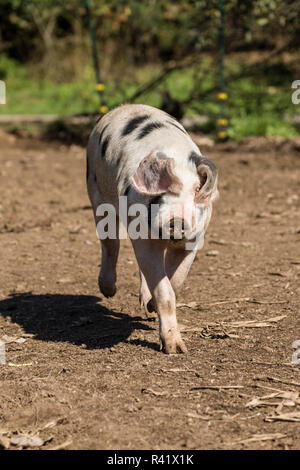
<point x="144" y="154"/>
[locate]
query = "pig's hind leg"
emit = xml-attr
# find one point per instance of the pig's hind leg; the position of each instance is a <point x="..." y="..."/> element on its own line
<point x="145" y="298"/>
<point x="107" y="276"/>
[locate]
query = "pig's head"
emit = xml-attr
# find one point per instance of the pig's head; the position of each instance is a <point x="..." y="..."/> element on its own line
<point x="179" y="199"/>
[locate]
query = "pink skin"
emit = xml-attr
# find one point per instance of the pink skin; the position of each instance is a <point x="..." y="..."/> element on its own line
<point x="177" y="263"/>
<point x="184" y="211"/>
<point x="164" y="265"/>
<point x="150" y="257"/>
<point x="173" y="169"/>
<point x="166" y="268"/>
<point x="155" y="176"/>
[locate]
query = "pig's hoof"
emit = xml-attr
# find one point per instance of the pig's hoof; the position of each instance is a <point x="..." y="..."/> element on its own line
<point x="150" y="311"/>
<point x="173" y="344"/>
<point x="151" y="306"/>
<point x="108" y="289"/>
<point x="151" y="316"/>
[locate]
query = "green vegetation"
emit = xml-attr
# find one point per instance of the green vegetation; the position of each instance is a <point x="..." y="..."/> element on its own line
<point x="47" y="65"/>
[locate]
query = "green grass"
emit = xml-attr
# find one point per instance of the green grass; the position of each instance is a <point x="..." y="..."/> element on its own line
<point x="265" y="125"/>
<point x="255" y="106"/>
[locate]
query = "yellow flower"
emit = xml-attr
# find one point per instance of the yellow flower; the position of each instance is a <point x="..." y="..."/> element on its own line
<point x="222" y="135"/>
<point x="103" y="109"/>
<point x="100" y="87"/>
<point x="127" y="11"/>
<point x="222" y="122"/>
<point x="222" y="96"/>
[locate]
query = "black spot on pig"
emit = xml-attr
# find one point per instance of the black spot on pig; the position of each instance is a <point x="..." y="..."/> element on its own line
<point x="149" y="128"/>
<point x="200" y="159"/>
<point x="101" y="134"/>
<point x="201" y="162"/>
<point x="177" y="126"/>
<point x="195" y="158"/>
<point x="134" y="123"/>
<point x="127" y="189"/>
<point x="104" y="146"/>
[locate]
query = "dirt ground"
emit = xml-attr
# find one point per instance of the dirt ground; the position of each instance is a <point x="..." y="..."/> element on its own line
<point x="89" y="374"/>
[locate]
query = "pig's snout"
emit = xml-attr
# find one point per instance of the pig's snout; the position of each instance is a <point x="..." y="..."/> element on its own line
<point x="178" y="228"/>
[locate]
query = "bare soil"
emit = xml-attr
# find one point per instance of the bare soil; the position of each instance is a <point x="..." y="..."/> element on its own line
<point x="90" y="374"/>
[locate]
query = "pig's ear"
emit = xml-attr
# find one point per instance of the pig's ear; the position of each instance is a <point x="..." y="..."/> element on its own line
<point x="155" y="176"/>
<point x="208" y="175"/>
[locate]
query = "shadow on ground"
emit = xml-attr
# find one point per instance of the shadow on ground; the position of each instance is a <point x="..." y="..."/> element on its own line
<point x="78" y="319"/>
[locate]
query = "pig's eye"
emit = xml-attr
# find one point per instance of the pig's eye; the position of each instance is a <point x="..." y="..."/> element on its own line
<point x="197" y="190"/>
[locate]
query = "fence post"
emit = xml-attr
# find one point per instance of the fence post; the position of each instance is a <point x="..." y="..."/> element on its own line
<point x="99" y="85"/>
<point x="222" y="96"/>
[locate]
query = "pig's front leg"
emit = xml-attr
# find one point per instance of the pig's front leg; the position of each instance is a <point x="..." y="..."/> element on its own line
<point x="177" y="265"/>
<point x="150" y="257"/>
